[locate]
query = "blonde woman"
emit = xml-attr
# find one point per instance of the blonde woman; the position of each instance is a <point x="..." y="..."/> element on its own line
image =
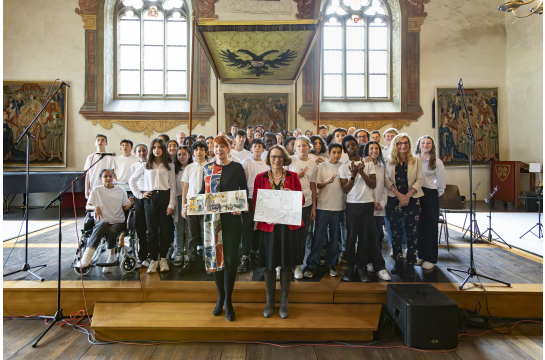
<point x="404" y="182"/>
<point x="433" y="186"/>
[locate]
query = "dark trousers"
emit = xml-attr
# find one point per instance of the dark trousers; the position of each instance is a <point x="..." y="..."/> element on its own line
<point x="104" y="228"/>
<point x="303" y="231"/>
<point x="195" y="224"/>
<point x="379" y="222"/>
<point x="250" y="238"/>
<point x="141" y="229"/>
<point x="428" y="224"/>
<point x="160" y="225"/>
<point x="323" y="219"/>
<point x="396" y="215"/>
<point x="360" y="223"/>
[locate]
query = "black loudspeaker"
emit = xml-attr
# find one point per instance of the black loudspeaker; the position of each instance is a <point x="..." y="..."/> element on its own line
<point x="424" y="317"/>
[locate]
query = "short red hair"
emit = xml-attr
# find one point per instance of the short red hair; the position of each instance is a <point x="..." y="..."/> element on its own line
<point x="222" y="140"/>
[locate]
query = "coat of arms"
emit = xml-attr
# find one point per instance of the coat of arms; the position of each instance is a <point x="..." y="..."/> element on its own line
<point x="502" y="171"/>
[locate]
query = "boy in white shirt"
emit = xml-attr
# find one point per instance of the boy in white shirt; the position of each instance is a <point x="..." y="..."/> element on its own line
<point x="109" y="203"/>
<point x="338" y="135"/>
<point x="239" y="152"/>
<point x="192" y="179"/>
<point x="92" y="178"/>
<point x="269" y="140"/>
<point x="124" y="162"/>
<point x="329" y="210"/>
<point x="252" y="166"/>
<point x="358" y="179"/>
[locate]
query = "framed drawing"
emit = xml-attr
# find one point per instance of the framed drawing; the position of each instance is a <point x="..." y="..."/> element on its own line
<point x="22" y="101"/>
<point x="269" y="110"/>
<point x="451" y="125"/>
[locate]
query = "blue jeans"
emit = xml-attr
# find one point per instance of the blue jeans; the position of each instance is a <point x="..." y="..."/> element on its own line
<point x="323" y="219"/>
<point x="403" y="239"/>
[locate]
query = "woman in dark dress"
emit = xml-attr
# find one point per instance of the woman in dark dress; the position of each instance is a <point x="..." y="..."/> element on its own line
<point x="222" y="232"/>
<point x="279" y="245"/>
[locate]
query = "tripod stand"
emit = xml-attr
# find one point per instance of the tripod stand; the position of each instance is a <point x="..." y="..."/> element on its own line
<point x="490" y="230"/>
<point x="539" y="224"/>
<point x="59" y="315"/>
<point x="474" y="221"/>
<point x="26" y="266"/>
<point x="471" y="271"/>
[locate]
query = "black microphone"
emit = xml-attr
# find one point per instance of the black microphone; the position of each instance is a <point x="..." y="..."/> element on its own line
<point x="63" y="83"/>
<point x="105" y="154"/>
<point x="460" y="84"/>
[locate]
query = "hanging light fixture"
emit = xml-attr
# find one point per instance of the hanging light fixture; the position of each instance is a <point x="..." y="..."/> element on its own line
<point x="512" y="5"/>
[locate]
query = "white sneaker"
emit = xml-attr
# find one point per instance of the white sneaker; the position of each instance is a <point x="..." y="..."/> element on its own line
<point x="152" y="268"/>
<point x="138" y="263"/>
<point x="333" y="272"/>
<point x="109" y="269"/>
<point x="146" y="262"/>
<point x="298" y="274"/>
<point x="278" y="273"/>
<point x="404" y="253"/>
<point x="86" y="258"/>
<point x="419" y="261"/>
<point x="427" y="265"/>
<point x="370" y="268"/>
<point x="163" y="265"/>
<point x="383" y="274"/>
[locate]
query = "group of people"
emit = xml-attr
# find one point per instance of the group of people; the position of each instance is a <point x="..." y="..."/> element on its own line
<point x="352" y="186"/>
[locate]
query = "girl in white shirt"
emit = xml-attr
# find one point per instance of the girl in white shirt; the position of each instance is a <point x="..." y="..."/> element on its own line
<point x="181" y="234"/>
<point x="433" y="186"/>
<point x="140" y="150"/>
<point x="159" y="194"/>
<point x="172" y="146"/>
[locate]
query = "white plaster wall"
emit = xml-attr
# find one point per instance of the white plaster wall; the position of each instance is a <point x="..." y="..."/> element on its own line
<point x="524" y="77"/>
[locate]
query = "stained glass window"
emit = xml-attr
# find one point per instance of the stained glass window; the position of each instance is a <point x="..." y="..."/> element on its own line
<point x="152" y="37"/>
<point x="356" y="43"/>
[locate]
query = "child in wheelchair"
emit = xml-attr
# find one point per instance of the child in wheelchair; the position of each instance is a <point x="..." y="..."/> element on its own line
<point x="109" y="203"/>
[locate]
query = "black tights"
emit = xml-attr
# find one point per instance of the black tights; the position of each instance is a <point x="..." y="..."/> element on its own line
<point x="225" y="282"/>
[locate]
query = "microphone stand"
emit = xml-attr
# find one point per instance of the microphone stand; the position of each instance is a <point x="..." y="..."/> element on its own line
<point x="58" y="317"/>
<point x="26" y="267"/>
<point x="471" y="271"/>
<point x="490" y="230"/>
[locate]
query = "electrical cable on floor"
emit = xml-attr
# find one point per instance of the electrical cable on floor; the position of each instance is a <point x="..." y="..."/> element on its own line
<point x="24" y="218"/>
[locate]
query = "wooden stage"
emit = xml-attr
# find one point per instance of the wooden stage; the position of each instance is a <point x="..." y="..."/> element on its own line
<point x="139" y="292"/>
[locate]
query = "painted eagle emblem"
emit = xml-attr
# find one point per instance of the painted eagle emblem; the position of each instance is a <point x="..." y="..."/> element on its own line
<point x="258" y="65"/>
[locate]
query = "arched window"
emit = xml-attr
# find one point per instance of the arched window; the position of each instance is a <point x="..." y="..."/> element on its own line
<point x="356" y="50"/>
<point x="152" y="56"/>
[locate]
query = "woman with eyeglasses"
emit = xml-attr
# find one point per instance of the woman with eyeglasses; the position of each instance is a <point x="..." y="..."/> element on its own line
<point x="404" y="182"/>
<point x="279" y="245"/>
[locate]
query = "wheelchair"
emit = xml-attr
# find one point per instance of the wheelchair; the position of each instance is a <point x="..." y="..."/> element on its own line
<point x="128" y="252"/>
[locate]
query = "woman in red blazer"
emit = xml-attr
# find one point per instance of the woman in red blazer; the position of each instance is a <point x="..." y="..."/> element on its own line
<point x="279" y="245"/>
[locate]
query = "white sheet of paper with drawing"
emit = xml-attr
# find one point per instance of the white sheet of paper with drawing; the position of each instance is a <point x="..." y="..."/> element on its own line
<point x="279" y="207"/>
<point x="222" y="202"/>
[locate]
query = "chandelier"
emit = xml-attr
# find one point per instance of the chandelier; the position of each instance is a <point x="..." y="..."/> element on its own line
<point x="512" y="5"/>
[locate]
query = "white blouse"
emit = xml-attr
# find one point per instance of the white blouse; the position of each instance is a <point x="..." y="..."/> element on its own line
<point x="157" y="178"/>
<point x="380" y="192"/>
<point x="436" y="178"/>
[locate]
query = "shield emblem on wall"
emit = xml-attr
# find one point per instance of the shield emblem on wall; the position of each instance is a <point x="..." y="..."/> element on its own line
<point x="503" y="171"/>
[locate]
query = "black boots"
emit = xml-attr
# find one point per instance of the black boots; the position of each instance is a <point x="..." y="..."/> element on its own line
<point x="270" y="288"/>
<point x="398" y="268"/>
<point x="410" y="270"/>
<point x="349" y="274"/>
<point x="362" y="275"/>
<point x="285" y="282"/>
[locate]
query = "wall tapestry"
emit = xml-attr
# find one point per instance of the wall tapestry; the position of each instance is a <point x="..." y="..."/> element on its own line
<point x="269" y="110"/>
<point x="22" y="101"/>
<point x="451" y="117"/>
<point x="254" y="52"/>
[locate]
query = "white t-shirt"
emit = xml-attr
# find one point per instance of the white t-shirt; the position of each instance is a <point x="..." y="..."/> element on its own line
<point x="111" y="202"/>
<point x="332" y="197"/>
<point x="252" y="168"/>
<point x="385" y="153"/>
<point x="193" y="176"/>
<point x="241" y="155"/>
<point x="344" y="158"/>
<point x="108" y="162"/>
<point x="179" y="182"/>
<point x="360" y="192"/>
<point x="310" y="176"/>
<point x="264" y="155"/>
<point x="123" y="167"/>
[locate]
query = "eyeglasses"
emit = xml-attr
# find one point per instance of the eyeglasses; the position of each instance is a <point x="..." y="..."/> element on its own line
<point x="277" y="157"/>
<point x="401" y="143"/>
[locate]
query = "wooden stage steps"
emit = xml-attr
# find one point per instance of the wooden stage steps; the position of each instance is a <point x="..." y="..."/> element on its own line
<point x="171" y="321"/>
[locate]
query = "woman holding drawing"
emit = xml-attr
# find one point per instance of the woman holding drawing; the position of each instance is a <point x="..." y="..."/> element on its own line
<point x="279" y="245"/>
<point x="222" y="231"/>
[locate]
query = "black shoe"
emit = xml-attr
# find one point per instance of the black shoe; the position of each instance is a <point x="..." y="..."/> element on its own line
<point x="349" y="274"/>
<point x="398" y="268"/>
<point x="362" y="275"/>
<point x="410" y="270"/>
<point x="244" y="265"/>
<point x="188" y="267"/>
<point x="216" y="311"/>
<point x="230" y="317"/>
<point x="254" y="258"/>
